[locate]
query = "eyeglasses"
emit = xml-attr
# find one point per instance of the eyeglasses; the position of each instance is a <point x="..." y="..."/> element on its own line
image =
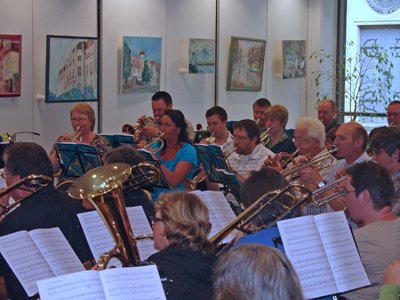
<point x="154" y="220"/>
<point x="4" y="175"/>
<point x="240" y="138"/>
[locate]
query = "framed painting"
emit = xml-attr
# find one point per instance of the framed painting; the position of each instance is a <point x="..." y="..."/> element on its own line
<point x="294" y="59"/>
<point x="141" y="65"/>
<point x="246" y="64"/>
<point x="202" y="56"/>
<point x="71" y="69"/>
<point x="10" y="65"/>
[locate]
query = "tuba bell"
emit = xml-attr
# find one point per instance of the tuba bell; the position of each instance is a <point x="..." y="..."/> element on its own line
<point x="103" y="187"/>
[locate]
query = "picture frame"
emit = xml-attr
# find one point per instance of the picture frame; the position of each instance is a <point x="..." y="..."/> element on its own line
<point x="201" y="56"/>
<point x="10" y="65"/>
<point x="71" y="69"/>
<point x="246" y="64"/>
<point x="294" y="59"/>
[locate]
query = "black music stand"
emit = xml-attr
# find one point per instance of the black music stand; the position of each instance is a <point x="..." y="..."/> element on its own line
<point x="120" y="139"/>
<point x="230" y="182"/>
<point x="76" y="159"/>
<point x="162" y="182"/>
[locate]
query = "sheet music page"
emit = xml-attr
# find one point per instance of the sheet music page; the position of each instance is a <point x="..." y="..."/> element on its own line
<point x="25" y="259"/>
<point x="84" y="285"/>
<point x="56" y="250"/>
<point x="134" y="283"/>
<point x="140" y="226"/>
<point x="221" y="214"/>
<point x="341" y="251"/>
<point x="304" y="248"/>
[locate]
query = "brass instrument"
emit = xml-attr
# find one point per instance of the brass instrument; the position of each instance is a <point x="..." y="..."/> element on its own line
<point x="138" y="127"/>
<point x="190" y="184"/>
<point x="156" y="143"/>
<point x="320" y="162"/>
<point x="103" y="188"/>
<point x="266" y="203"/>
<point x="38" y="182"/>
<point x="211" y="138"/>
<point x="265" y="137"/>
<point x="317" y="197"/>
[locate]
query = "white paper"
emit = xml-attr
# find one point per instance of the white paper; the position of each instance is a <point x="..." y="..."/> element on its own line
<point x="82" y="285"/>
<point x="135" y="283"/>
<point x="57" y="251"/>
<point x="25" y="259"/>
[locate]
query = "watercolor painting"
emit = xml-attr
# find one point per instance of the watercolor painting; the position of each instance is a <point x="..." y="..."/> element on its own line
<point x="202" y="56"/>
<point x="141" y="64"/>
<point x="71" y="69"/>
<point x="10" y="65"/>
<point x="246" y="64"/>
<point x="294" y="59"/>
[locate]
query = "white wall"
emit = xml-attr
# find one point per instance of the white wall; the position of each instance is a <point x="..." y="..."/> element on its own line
<point x="175" y="21"/>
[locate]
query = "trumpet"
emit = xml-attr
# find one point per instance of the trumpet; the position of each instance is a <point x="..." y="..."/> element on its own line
<point x="77" y="136"/>
<point x="138" y="127"/>
<point x="265" y="137"/>
<point x="210" y="139"/>
<point x="317" y="197"/>
<point x="38" y="182"/>
<point x="190" y="184"/>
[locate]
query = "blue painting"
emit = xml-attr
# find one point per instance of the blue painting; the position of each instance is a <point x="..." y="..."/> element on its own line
<point x="201" y="56"/>
<point x="141" y="65"/>
<point x="294" y="59"/>
<point x="71" y="69"/>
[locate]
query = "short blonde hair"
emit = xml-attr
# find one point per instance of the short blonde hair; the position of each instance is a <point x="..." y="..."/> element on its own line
<point x="186" y="221"/>
<point x="279" y="112"/>
<point x="84" y="108"/>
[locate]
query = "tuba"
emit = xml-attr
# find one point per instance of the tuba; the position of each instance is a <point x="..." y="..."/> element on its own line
<point x="103" y="187"/>
<point x="38" y="182"/>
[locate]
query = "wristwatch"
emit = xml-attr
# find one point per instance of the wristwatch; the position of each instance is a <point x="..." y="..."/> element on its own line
<point x="321" y="184"/>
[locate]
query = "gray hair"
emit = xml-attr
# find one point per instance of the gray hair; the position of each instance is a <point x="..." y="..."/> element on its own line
<point x="315" y="129"/>
<point x="254" y="271"/>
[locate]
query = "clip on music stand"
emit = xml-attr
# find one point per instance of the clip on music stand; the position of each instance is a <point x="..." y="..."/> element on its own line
<point x="76" y="159"/>
<point x="162" y="182"/>
<point x="120" y="139"/>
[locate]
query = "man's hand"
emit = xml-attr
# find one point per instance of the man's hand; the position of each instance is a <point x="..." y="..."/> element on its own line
<point x="392" y="273"/>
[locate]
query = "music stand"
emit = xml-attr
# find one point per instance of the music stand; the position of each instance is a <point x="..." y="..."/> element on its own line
<point x="76" y="159"/>
<point x="162" y="182"/>
<point x="230" y="182"/>
<point x="120" y="139"/>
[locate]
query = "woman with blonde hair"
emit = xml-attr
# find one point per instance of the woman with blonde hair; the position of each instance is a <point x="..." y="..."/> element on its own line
<point x="180" y="230"/>
<point x="255" y="272"/>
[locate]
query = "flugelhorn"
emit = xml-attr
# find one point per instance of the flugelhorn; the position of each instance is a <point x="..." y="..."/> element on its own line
<point x="38" y="182"/>
<point x="265" y="137"/>
<point x="103" y="188"/>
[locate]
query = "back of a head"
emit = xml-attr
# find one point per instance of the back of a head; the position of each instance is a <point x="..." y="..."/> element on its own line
<point x="123" y="154"/>
<point x="256" y="272"/>
<point x="164" y="96"/>
<point x="24" y="159"/>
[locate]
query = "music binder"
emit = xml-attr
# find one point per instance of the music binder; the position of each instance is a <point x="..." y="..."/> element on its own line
<point x="76" y="159"/>
<point x="162" y="182"/>
<point x="120" y="139"/>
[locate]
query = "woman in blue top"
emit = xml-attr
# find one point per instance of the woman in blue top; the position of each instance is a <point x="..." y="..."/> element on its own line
<point x="178" y="157"/>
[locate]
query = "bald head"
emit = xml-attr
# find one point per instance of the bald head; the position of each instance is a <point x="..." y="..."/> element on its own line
<point x="351" y="141"/>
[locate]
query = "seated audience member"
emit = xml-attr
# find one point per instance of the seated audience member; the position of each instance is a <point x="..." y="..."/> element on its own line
<point x="255" y="272"/>
<point x="393" y="113"/>
<point x="258" y="184"/>
<point x="180" y="230"/>
<point x="83" y="120"/>
<point x="132" y="197"/>
<point x="259" y="108"/>
<point x="385" y="148"/>
<point x="46" y="208"/>
<point x="391" y="279"/>
<point x="249" y="153"/>
<point x="276" y="117"/>
<point x="370" y="190"/>
<point x="178" y="158"/>
<point x="327" y="114"/>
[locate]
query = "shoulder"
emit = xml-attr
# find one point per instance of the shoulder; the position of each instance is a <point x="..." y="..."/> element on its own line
<point x="187" y="150"/>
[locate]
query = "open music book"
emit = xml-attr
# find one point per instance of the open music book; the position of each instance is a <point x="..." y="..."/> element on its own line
<point x="38" y="254"/>
<point x="136" y="283"/>
<point x="221" y="214"/>
<point x="100" y="239"/>
<point x="322" y="250"/>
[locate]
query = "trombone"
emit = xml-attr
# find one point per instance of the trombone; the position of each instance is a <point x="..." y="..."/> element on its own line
<point x="38" y="182"/>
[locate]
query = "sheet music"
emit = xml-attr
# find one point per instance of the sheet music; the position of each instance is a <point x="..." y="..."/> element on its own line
<point x="221" y="214"/>
<point x="25" y="259"/>
<point x="341" y="251"/>
<point x="84" y="285"/>
<point x="304" y="248"/>
<point x="56" y="250"/>
<point x="100" y="239"/>
<point x="135" y="283"/>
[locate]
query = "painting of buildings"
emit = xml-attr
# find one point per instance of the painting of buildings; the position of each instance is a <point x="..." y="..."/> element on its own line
<point x="72" y="64"/>
<point x="201" y="56"/>
<point x="294" y="59"/>
<point x="10" y="65"/>
<point x="141" y="64"/>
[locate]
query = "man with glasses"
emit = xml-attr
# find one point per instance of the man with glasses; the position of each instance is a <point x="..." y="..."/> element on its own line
<point x="249" y="153"/>
<point x="385" y="147"/>
<point x="393" y="113"/>
<point x="369" y="190"/>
